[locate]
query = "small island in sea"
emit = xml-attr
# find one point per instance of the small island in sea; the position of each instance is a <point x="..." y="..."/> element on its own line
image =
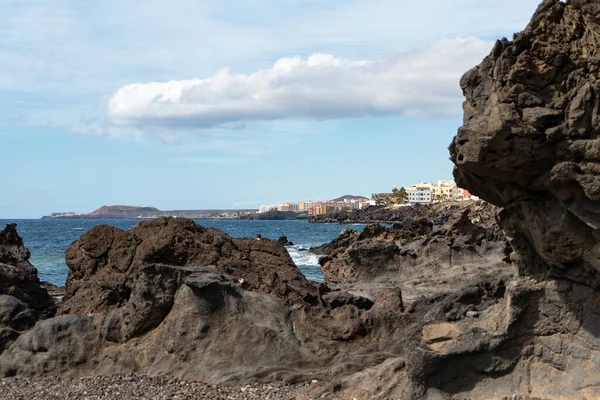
<point x="112" y="212"/>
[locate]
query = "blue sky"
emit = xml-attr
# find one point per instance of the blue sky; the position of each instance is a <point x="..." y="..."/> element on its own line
<point x="216" y="104"/>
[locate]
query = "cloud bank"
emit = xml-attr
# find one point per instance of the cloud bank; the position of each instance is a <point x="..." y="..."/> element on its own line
<point x="418" y="83"/>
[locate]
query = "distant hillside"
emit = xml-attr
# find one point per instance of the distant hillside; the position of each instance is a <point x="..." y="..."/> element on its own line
<point x="349" y="196"/>
<point x="123" y="211"/>
<point x="111" y="212"/>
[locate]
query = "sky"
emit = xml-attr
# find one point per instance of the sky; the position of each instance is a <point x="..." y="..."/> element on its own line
<point x="202" y="104"/>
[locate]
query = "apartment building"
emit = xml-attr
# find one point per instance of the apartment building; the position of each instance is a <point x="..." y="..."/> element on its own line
<point x="421" y="193"/>
<point x="442" y="190"/>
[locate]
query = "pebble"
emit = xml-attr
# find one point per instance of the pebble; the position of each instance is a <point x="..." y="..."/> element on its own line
<point x="136" y="387"/>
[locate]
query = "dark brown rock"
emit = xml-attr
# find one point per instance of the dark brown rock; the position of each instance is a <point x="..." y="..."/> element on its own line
<point x="18" y="277"/>
<point x="529" y="145"/>
<point x="529" y="142"/>
<point x="420" y="259"/>
<point x="344" y="239"/>
<point x="105" y="261"/>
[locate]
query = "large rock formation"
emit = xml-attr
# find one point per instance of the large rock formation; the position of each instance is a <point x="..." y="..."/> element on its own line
<point x="18" y="277"/>
<point x="418" y="257"/>
<point x="105" y="262"/>
<point x="530" y="142"/>
<point x="171" y="297"/>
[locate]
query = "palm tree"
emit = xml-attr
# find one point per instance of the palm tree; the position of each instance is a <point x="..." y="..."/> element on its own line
<point x="402" y="194"/>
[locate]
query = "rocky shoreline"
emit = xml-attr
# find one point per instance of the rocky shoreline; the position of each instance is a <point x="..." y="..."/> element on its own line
<point x="490" y="300"/>
<point x="388" y="215"/>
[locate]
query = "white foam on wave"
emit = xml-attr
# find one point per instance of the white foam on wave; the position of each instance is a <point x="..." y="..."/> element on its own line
<point x="301" y="256"/>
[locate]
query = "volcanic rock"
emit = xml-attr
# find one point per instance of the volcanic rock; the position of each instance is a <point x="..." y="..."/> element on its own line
<point x="18" y="277"/>
<point x="404" y="215"/>
<point x="529" y="142"/>
<point x="150" y="306"/>
<point x="343" y="240"/>
<point x="284" y="241"/>
<point x="529" y="145"/>
<point x="420" y="259"/>
<point x="105" y="262"/>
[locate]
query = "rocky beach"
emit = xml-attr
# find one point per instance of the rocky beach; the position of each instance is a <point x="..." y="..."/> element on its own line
<point x="493" y="299"/>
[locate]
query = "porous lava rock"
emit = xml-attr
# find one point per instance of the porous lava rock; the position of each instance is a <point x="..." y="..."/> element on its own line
<point x="419" y="258"/>
<point x="105" y="262"/>
<point x="169" y="297"/>
<point x="18" y="277"/>
<point x="530" y="144"/>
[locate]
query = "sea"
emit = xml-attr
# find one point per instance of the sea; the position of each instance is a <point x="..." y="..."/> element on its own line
<point x="47" y="239"/>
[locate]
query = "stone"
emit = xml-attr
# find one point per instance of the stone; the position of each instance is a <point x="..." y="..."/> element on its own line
<point x="16" y="314"/>
<point x="105" y="261"/>
<point x="18" y="277"/>
<point x="538" y="159"/>
<point x="417" y="258"/>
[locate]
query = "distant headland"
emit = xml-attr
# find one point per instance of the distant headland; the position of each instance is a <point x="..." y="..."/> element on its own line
<point x="136" y="212"/>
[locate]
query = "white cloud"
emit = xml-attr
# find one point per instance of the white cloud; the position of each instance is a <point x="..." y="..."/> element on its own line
<point x="418" y="83"/>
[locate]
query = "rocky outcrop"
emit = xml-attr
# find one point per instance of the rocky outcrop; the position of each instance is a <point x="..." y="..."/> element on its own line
<point x="419" y="258"/>
<point x="247" y="317"/>
<point x="530" y="142"/>
<point x="171" y="297"/>
<point x="18" y="277"/>
<point x="283" y="240"/>
<point x="528" y="145"/>
<point x="381" y="214"/>
<point x="105" y="262"/>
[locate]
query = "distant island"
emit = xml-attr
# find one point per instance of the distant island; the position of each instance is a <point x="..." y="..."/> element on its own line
<point x="136" y="212"/>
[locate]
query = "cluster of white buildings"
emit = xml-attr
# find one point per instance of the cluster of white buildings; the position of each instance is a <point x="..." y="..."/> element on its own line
<point x="443" y="190"/>
<point x="420" y="193"/>
<point x="317" y="207"/>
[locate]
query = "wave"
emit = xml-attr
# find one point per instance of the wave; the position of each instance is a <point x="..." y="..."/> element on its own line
<point x="302" y="257"/>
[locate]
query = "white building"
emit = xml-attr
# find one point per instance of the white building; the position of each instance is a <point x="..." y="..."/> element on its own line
<point x="420" y="193"/>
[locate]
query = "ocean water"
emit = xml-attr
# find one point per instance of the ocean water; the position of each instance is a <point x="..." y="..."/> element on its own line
<point x="47" y="239"/>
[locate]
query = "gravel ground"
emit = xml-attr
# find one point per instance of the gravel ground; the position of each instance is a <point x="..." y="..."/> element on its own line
<point x="135" y="387"/>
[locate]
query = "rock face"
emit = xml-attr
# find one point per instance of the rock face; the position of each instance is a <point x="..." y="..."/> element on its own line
<point x="419" y="258"/>
<point x="171" y="297"/>
<point x="18" y="277"/>
<point x="105" y="262"/>
<point x="530" y="142"/>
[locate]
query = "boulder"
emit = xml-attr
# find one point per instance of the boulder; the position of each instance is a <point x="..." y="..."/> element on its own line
<point x="15" y="317"/>
<point x="105" y="262"/>
<point x="18" y="277"/>
<point x="284" y="241"/>
<point x="16" y="314"/>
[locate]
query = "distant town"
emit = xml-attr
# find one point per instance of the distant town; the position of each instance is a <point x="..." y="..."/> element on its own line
<point x="420" y="193"/>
